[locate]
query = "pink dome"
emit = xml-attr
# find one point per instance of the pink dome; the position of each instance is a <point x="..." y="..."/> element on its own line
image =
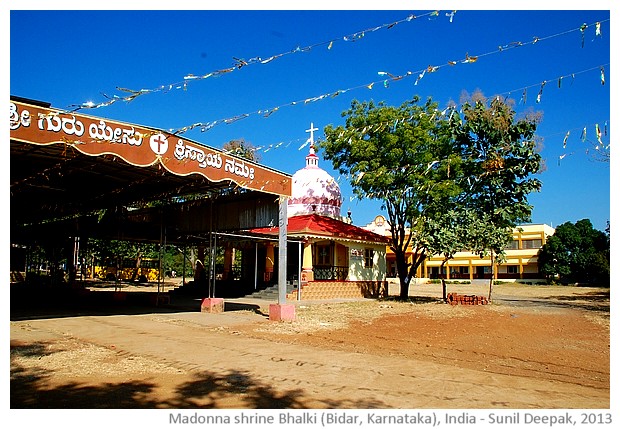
<point x="314" y="191"/>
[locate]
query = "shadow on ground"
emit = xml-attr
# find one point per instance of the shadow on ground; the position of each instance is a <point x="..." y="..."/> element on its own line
<point x="28" y="303"/>
<point x="240" y="306"/>
<point x="31" y="388"/>
<point x="596" y="301"/>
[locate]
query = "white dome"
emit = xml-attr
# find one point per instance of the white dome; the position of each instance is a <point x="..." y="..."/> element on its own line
<point x="314" y="191"/>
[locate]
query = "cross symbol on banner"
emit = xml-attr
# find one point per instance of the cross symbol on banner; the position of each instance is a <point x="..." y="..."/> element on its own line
<point x="156" y="143"/>
<point x="311" y="131"/>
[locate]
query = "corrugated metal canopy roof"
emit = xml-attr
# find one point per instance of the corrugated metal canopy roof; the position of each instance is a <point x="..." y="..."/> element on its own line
<point x="58" y="182"/>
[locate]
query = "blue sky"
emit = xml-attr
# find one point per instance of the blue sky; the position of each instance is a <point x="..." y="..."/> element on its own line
<point x="69" y="57"/>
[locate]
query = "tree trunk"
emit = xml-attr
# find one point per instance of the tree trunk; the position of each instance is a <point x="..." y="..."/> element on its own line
<point x="492" y="275"/>
<point x="444" y="287"/>
<point x="404" y="288"/>
<point x="411" y="273"/>
<point x="92" y="267"/>
<point x="401" y="268"/>
<point x="136" y="269"/>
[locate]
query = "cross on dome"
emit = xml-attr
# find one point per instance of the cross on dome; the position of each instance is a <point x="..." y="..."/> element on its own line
<point x="312" y="159"/>
<point x="314" y="191"/>
<point x="311" y="131"/>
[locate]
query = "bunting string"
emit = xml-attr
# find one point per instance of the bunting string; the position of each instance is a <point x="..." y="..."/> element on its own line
<point x="601" y="151"/>
<point x="388" y="77"/>
<point x="239" y="63"/>
<point x="541" y="85"/>
<point x="424" y="168"/>
<point x="599" y="146"/>
<point x="267" y="112"/>
<point x="131" y="94"/>
<point x="561" y="157"/>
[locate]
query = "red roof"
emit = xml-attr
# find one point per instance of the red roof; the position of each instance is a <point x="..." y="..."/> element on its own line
<point x="324" y="226"/>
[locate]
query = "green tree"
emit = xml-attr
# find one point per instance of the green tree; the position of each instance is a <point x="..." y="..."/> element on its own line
<point x="174" y="259"/>
<point x="390" y="153"/>
<point x="448" y="234"/>
<point x="113" y="252"/>
<point x="576" y="253"/>
<point x="242" y="149"/>
<point x="499" y="157"/>
<point x="448" y="220"/>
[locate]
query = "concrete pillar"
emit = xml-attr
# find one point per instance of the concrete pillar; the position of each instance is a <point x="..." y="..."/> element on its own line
<point x="307" y="275"/>
<point x="282" y="311"/>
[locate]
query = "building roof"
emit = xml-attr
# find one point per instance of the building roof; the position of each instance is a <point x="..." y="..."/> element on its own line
<point x="71" y="172"/>
<point x="381" y="225"/>
<point x="315" y="226"/>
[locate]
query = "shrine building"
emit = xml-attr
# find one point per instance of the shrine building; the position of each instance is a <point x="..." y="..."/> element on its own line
<point x="333" y="258"/>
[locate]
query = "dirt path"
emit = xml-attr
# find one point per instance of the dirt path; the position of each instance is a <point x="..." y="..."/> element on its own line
<point x="543" y="349"/>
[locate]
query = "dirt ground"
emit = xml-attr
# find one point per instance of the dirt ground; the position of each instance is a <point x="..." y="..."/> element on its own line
<point x="533" y="347"/>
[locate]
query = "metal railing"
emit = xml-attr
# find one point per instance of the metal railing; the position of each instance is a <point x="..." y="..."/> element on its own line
<point x="330" y="272"/>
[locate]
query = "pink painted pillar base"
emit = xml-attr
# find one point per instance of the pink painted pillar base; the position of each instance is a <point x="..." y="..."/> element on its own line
<point x="212" y="305"/>
<point x="282" y="312"/>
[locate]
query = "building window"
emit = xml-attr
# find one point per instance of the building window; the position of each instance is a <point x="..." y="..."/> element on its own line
<point x="513" y="269"/>
<point x="369" y="257"/>
<point x="513" y="245"/>
<point x="531" y="244"/>
<point x="324" y="255"/>
<point x="464" y="270"/>
<point x="435" y="272"/>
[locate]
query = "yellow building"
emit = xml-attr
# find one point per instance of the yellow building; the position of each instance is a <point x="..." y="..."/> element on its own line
<point x="521" y="262"/>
